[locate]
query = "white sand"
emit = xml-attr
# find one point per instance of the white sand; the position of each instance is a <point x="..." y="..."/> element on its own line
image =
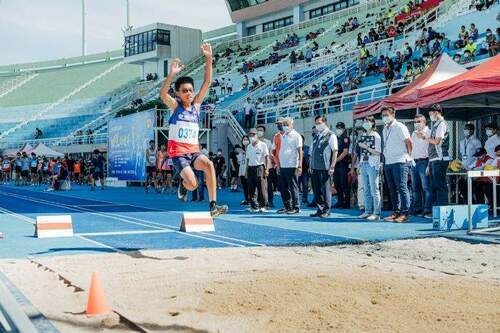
<point x="405" y="286"/>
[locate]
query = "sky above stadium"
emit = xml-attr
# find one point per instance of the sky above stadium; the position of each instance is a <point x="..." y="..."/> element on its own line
<point x="37" y="30"/>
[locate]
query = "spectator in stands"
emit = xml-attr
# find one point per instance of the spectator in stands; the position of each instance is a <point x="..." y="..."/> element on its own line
<point x="467" y="57"/>
<point x="324" y="90"/>
<point x="493" y="43"/>
<point x="223" y="86"/>
<point x="397" y="153"/>
<point x="473" y="32"/>
<point x="470" y="46"/>
<point x="38" y="134"/>
<point x="229" y="87"/>
<point x="248" y="109"/>
<point x="257" y="155"/>
<point x="293" y="59"/>
<point x="457" y="58"/>
<point x="314" y="93"/>
<point x="363" y="55"/>
<point x="359" y="39"/>
<point x="308" y="55"/>
<point x="255" y="84"/>
<point x="323" y="161"/>
<point x="245" y="84"/>
<point x="408" y="52"/>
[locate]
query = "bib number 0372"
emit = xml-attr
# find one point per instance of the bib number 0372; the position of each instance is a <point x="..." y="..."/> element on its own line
<point x="187" y="133"/>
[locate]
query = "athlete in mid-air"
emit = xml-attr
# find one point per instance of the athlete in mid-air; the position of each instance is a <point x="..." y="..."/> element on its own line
<point x="183" y="144"/>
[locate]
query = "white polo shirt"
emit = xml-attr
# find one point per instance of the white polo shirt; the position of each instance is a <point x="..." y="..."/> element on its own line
<point x="394" y="136"/>
<point x="420" y="146"/>
<point x="248" y="107"/>
<point x="288" y="155"/>
<point x="256" y="155"/>
<point x="468" y="147"/>
<point x="490" y="145"/>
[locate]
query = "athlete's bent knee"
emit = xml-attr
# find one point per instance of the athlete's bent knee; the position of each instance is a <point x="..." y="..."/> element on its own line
<point x="190" y="185"/>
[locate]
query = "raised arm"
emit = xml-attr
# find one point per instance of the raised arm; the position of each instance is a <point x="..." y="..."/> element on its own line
<point x="175" y="67"/>
<point x="207" y="78"/>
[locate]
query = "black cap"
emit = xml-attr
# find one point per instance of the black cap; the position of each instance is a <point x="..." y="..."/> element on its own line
<point x="479" y="151"/>
<point x="497" y="148"/>
<point x="340" y="125"/>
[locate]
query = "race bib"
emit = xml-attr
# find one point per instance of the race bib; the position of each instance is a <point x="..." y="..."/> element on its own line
<point x="184" y="132"/>
<point x="152" y="159"/>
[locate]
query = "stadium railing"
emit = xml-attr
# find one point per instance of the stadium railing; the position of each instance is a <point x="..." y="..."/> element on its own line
<point x="17" y="82"/>
<point x="50" y="107"/>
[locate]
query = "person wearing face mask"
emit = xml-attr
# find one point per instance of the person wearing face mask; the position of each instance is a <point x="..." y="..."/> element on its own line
<point x="275" y="151"/>
<point x="233" y="162"/>
<point x="323" y="160"/>
<point x="257" y="172"/>
<point x="342" y="168"/>
<point x="354" y="172"/>
<point x="151" y="158"/>
<point x="312" y="204"/>
<point x="290" y="157"/>
<point x="304" y="178"/>
<point x="493" y="139"/>
<point x="272" y="178"/>
<point x="439" y="156"/>
<point x="220" y="165"/>
<point x="369" y="148"/>
<point x="420" y="181"/>
<point x="468" y="146"/>
<point x="242" y="161"/>
<point x="397" y="154"/>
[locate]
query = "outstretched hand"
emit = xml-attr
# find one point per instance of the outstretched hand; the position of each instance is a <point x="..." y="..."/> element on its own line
<point x="206" y="49"/>
<point x="176" y="66"/>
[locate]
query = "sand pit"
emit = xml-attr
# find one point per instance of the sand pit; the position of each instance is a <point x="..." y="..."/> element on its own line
<point x="405" y="286"/>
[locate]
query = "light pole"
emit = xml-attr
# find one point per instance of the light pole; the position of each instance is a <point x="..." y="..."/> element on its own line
<point x="83" y="28"/>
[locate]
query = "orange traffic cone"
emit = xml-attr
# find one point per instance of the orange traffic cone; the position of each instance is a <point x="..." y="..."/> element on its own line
<point x="96" y="304"/>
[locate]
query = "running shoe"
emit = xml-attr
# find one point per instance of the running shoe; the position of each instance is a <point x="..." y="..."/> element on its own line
<point x="218" y="210"/>
<point x="181" y="192"/>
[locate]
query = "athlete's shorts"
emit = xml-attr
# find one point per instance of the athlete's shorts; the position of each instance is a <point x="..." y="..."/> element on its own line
<point x="25" y="173"/>
<point x="150" y="169"/>
<point x="33" y="170"/>
<point x="98" y="175"/>
<point x="181" y="162"/>
<point x="18" y="169"/>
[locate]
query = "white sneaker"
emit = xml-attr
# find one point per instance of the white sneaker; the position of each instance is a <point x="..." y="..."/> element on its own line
<point x="253" y="210"/>
<point x="364" y="215"/>
<point x="263" y="210"/>
<point x="373" y="217"/>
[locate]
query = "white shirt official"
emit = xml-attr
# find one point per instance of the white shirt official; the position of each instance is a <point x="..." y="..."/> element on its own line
<point x="420" y="147"/>
<point x="288" y="155"/>
<point x="394" y="136"/>
<point x="256" y="155"/>
<point x="468" y="147"/>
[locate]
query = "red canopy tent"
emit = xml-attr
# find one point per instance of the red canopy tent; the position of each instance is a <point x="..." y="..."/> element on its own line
<point x="460" y="95"/>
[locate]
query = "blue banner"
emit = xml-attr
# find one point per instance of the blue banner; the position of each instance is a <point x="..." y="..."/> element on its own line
<point x="128" y="139"/>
